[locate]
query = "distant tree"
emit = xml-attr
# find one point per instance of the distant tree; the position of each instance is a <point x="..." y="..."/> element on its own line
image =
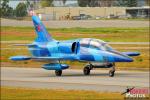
<point x="94" y="3"/>
<point x="127" y="3"/>
<point x="83" y="3"/>
<point x="21" y="10"/>
<point x="121" y="3"/>
<point x="5" y="10"/>
<point x="28" y="4"/>
<point x="89" y="3"/>
<point x="10" y="12"/>
<point x="46" y="3"/>
<point x="4" y="6"/>
<point x="31" y="5"/>
<point x="64" y="2"/>
<point x="132" y="3"/>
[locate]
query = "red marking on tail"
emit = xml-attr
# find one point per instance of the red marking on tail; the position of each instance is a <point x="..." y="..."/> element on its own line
<point x="39" y="28"/>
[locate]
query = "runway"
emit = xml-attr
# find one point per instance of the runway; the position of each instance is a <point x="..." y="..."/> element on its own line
<point x="79" y="23"/>
<point x="73" y="79"/>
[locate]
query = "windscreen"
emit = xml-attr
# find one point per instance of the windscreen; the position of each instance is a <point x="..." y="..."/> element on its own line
<point x="95" y="44"/>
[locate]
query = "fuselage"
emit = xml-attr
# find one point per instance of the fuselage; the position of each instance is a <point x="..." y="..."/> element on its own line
<point x="84" y="49"/>
<point x="46" y="49"/>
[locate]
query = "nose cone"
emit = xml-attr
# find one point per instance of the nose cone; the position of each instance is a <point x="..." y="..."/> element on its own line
<point x="114" y="56"/>
<point x="119" y="58"/>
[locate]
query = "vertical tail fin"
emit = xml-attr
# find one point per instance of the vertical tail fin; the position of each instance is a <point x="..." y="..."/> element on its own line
<point x="42" y="34"/>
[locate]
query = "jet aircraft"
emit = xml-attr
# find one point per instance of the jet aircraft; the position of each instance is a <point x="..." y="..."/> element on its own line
<point x="97" y="53"/>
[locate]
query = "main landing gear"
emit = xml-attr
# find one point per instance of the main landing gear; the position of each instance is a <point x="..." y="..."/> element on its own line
<point x="89" y="67"/>
<point x="58" y="72"/>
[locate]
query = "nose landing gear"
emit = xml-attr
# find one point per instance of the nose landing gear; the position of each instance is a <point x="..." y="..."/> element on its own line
<point x="112" y="71"/>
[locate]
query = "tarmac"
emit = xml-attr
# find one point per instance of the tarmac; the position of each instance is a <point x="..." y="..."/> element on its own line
<point x="77" y="23"/>
<point x="73" y="79"/>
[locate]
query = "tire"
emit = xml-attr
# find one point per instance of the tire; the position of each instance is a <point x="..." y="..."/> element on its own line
<point x="86" y="70"/>
<point x="111" y="73"/>
<point x="58" y="72"/>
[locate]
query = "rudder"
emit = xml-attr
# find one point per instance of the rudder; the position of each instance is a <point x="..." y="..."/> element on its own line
<point x="42" y="34"/>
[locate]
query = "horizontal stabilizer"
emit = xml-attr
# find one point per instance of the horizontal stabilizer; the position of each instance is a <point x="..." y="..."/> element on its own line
<point x="131" y="53"/>
<point x="20" y="58"/>
<point x="24" y="44"/>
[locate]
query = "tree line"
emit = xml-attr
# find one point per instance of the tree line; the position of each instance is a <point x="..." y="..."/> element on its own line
<point x="95" y="3"/>
<point x="7" y="11"/>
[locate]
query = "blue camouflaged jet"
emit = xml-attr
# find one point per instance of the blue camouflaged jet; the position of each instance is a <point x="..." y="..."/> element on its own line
<point x="96" y="52"/>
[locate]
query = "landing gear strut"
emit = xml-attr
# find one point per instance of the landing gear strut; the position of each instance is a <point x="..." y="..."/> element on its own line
<point x="58" y="72"/>
<point x="87" y="70"/>
<point x="112" y="71"/>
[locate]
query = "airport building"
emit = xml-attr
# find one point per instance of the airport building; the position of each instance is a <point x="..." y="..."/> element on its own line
<point x="102" y="9"/>
<point x="77" y="13"/>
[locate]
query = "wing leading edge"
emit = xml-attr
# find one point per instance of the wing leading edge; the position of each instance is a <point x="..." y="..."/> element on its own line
<point x="22" y="58"/>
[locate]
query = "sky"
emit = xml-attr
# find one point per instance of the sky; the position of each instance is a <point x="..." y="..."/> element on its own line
<point x="14" y="3"/>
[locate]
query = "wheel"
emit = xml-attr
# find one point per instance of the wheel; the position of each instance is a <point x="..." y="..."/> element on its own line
<point x="58" y="72"/>
<point x="111" y="73"/>
<point x="86" y="70"/>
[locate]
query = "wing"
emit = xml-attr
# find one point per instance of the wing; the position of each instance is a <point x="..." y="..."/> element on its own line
<point x="131" y="53"/>
<point x="24" y="44"/>
<point x="22" y="58"/>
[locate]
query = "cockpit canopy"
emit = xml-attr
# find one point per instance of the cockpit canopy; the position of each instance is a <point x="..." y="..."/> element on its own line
<point x="95" y="44"/>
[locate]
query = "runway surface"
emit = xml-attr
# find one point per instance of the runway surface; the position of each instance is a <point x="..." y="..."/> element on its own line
<point x="79" y="23"/>
<point x="73" y="79"/>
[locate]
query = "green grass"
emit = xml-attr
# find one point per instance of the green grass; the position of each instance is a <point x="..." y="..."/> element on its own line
<point x="77" y="29"/>
<point x="26" y="93"/>
<point x="106" y="34"/>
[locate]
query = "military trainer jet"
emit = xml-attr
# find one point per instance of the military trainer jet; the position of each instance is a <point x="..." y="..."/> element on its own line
<point x="97" y="53"/>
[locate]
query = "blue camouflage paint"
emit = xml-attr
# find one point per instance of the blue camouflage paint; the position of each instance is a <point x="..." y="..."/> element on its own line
<point x="42" y="34"/>
<point x="19" y="58"/>
<point x="55" y="66"/>
<point x="83" y="49"/>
